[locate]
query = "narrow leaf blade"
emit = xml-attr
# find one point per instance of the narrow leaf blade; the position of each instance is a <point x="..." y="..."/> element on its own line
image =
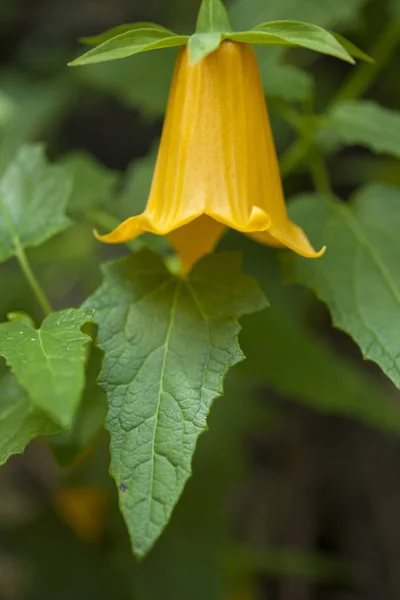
<point x="202" y="44"/>
<point x="160" y="390"/>
<point x="295" y="34"/>
<point x="130" y="43"/>
<point x="213" y="18"/>
<point x="96" y="40"/>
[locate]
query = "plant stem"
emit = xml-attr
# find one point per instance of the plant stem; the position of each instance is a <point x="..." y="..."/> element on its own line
<point x="320" y="175"/>
<point x="363" y="77"/>
<point x="31" y="279"/>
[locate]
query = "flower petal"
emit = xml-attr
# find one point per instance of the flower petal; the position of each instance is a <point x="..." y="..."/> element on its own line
<point x="194" y="240"/>
<point x="292" y="237"/>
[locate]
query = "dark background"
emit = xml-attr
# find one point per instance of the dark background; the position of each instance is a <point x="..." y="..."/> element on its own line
<point x="288" y="501"/>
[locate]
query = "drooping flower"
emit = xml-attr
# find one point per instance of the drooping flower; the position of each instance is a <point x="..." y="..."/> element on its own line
<point x="217" y="165"/>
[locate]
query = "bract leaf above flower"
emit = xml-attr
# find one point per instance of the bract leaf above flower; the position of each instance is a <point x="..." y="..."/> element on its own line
<point x="131" y="42"/>
<point x="295" y="34"/>
<point x="213" y="18"/>
<point x="96" y="40"/>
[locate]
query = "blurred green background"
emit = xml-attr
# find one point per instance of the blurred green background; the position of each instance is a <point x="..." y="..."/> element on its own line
<point x="296" y="486"/>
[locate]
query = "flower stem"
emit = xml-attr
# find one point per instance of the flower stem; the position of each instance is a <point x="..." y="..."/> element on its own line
<point x="31" y="279"/>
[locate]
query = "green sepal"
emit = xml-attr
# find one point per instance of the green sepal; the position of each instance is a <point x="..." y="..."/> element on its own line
<point x="202" y="44"/>
<point x="353" y="50"/>
<point x="96" y="40"/>
<point x="129" y="43"/>
<point x="295" y="34"/>
<point x="213" y="18"/>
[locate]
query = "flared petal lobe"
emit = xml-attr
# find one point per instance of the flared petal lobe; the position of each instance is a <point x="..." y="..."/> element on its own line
<point x="217" y="162"/>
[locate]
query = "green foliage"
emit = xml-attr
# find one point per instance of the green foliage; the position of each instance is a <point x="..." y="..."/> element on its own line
<point x="129" y="43"/>
<point x="159" y="391"/>
<point x="33" y="198"/>
<point x="20" y="420"/>
<point x="285" y="353"/>
<point x="92" y="184"/>
<point x="295" y="34"/>
<point x="364" y="123"/>
<point x="49" y="362"/>
<point x="96" y="40"/>
<point x="212" y="18"/>
<point x="359" y="276"/>
<point x="202" y="44"/>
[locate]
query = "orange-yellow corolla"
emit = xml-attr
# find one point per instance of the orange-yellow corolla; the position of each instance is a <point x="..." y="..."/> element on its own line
<point x="217" y="165"/>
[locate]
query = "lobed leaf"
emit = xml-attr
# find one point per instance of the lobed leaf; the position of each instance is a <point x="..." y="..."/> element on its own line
<point x="20" y="420"/>
<point x="130" y="43"/>
<point x="33" y="199"/>
<point x="49" y="362"/>
<point x="359" y="277"/>
<point x="160" y="388"/>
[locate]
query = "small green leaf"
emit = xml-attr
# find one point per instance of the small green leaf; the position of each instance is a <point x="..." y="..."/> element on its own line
<point x="20" y="421"/>
<point x="96" y="40"/>
<point x="130" y="43"/>
<point x="364" y="123"/>
<point x="353" y="50"/>
<point x="93" y="184"/>
<point x="294" y="34"/>
<point x="212" y="18"/>
<point x="160" y="389"/>
<point x="33" y="198"/>
<point x="49" y="362"/>
<point x="202" y="44"/>
<point x="359" y="276"/>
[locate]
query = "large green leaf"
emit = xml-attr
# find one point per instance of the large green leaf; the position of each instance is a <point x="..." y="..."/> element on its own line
<point x="365" y="123"/>
<point x="160" y="387"/>
<point x="33" y="198"/>
<point x="49" y="362"/>
<point x="93" y="184"/>
<point x="291" y="357"/>
<point x="212" y="18"/>
<point x="329" y="13"/>
<point x="129" y="43"/>
<point x="359" y="277"/>
<point x="20" y="420"/>
<point x="295" y="34"/>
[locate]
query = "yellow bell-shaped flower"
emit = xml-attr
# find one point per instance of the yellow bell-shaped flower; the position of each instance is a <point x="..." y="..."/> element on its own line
<point x="217" y="165"/>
